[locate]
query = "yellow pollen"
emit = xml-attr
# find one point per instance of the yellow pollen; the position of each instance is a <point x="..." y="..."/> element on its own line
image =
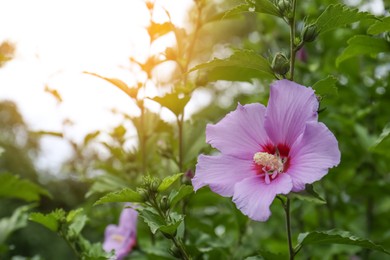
<point x="118" y="238"/>
<point x="270" y="162"/>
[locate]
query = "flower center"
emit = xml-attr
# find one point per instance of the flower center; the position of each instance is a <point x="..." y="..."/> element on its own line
<point x="271" y="165"/>
<point x="118" y="238"/>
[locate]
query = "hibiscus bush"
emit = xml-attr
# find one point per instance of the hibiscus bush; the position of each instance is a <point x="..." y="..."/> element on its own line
<point x="270" y="141"/>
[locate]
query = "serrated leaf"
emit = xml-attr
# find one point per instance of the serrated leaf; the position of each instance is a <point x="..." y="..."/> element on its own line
<point x="242" y="65"/>
<point x="131" y="92"/>
<point x="339" y="15"/>
<point x="258" y="6"/>
<point x="12" y="186"/>
<point x="380" y="26"/>
<point x="125" y="195"/>
<point x="308" y="194"/>
<point x="337" y="237"/>
<point x="16" y="221"/>
<point x="382" y="144"/>
<point x="72" y="214"/>
<point x="106" y="183"/>
<point x="173" y="102"/>
<point x="168" y="181"/>
<point x="363" y="44"/>
<point x="153" y="220"/>
<point x="177" y="196"/>
<point x="51" y="220"/>
<point x="326" y="86"/>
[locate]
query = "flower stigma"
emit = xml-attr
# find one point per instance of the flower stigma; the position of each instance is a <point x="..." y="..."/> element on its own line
<point x="118" y="238"/>
<point x="271" y="165"/>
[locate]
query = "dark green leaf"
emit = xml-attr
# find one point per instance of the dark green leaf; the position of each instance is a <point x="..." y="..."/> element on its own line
<point x="337" y="237"/>
<point x="380" y="26"/>
<point x="51" y="220"/>
<point x="177" y="196"/>
<point x="11" y="186"/>
<point x="363" y="44"/>
<point x="309" y="194"/>
<point x="243" y="65"/>
<point x="168" y="181"/>
<point x="339" y="15"/>
<point x="171" y="228"/>
<point x="153" y="220"/>
<point x="125" y="195"/>
<point x="382" y="144"/>
<point x="326" y="87"/>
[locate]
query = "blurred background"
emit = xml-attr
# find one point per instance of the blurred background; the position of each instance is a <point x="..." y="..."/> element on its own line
<point x="77" y="76"/>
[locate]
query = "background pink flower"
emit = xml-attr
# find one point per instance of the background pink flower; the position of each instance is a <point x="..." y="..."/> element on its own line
<point x="122" y="237"/>
<point x="268" y="151"/>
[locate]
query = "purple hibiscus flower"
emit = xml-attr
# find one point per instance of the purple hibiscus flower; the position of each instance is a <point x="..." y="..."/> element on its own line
<point x="122" y="237"/>
<point x="268" y="151"/>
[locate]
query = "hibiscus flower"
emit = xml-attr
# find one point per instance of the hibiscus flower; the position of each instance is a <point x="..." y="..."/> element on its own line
<point x="266" y="151"/>
<point x="122" y="238"/>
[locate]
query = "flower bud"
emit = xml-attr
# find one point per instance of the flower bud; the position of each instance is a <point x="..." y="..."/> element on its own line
<point x="154" y="185"/>
<point x="280" y="64"/>
<point x="309" y="33"/>
<point x="165" y="203"/>
<point x="284" y="7"/>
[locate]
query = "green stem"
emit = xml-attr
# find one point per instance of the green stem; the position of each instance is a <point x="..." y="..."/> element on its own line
<point x="288" y="227"/>
<point x="293" y="50"/>
<point x="180" y="123"/>
<point x="181" y="248"/>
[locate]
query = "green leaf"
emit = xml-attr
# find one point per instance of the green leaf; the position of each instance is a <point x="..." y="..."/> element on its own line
<point x="125" y="195"/>
<point x="243" y="65"/>
<point x="173" y="102"/>
<point x="380" y="26"/>
<point x="89" y="137"/>
<point x="177" y="196"/>
<point x="326" y="87"/>
<point x="11" y="186"/>
<point x="171" y="228"/>
<point x="151" y="218"/>
<point x="339" y="15"/>
<point x="382" y="144"/>
<point x="308" y="194"/>
<point x="168" y="181"/>
<point x="16" y="221"/>
<point x="77" y="224"/>
<point x="131" y="92"/>
<point x="72" y="214"/>
<point x="51" y="221"/>
<point x="337" y="237"/>
<point x="105" y="183"/>
<point x="363" y="44"/>
<point x="258" y="6"/>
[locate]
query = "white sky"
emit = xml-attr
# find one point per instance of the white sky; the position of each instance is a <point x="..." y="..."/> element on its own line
<point x="56" y="40"/>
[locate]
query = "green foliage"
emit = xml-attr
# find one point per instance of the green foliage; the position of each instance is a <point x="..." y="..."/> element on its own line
<point x="308" y="194"/>
<point x="168" y="181"/>
<point x="12" y="186"/>
<point x="337" y="237"/>
<point x="363" y="44"/>
<point x="326" y="87"/>
<point x="382" y="144"/>
<point x="124" y="195"/>
<point x="258" y="6"/>
<point x="173" y="102"/>
<point x="177" y="196"/>
<point x="380" y="26"/>
<point x="17" y="221"/>
<point x="242" y="65"/>
<point x="336" y="16"/>
<point x="51" y="221"/>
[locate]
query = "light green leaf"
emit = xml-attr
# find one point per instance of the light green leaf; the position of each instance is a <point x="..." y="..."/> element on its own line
<point x="72" y="214"/>
<point x="77" y="224"/>
<point x="16" y="221"/>
<point x="363" y="44"/>
<point x="326" y="87"/>
<point x="173" y="102"/>
<point x="131" y="92"/>
<point x="11" y="186"/>
<point x="382" y="144"/>
<point x="339" y="15"/>
<point x="243" y="65"/>
<point x="51" y="221"/>
<point x="258" y="6"/>
<point x="380" y="26"/>
<point x="125" y="195"/>
<point x="309" y="194"/>
<point x="168" y="181"/>
<point x="177" y="196"/>
<point x="337" y="237"/>
<point x="153" y="220"/>
<point x="105" y="183"/>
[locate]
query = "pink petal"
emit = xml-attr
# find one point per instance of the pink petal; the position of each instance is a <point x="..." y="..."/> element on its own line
<point x="240" y="133"/>
<point x="254" y="197"/>
<point x="290" y="106"/>
<point x="312" y="155"/>
<point x="221" y="173"/>
<point x="128" y="218"/>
